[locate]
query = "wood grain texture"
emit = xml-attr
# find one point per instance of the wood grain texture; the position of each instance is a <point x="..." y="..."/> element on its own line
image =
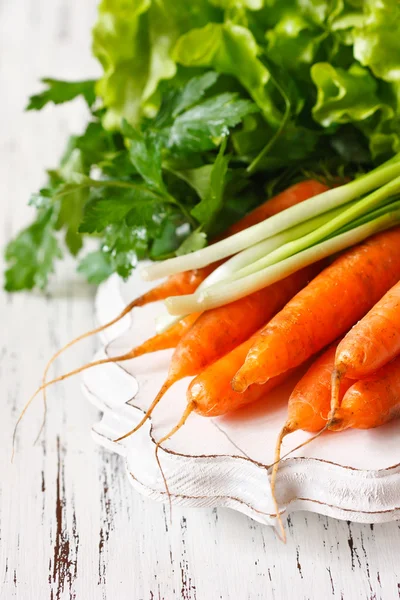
<point x="70" y="524"/>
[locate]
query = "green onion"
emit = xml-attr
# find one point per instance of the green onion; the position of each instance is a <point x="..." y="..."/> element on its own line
<point x="232" y="267"/>
<point x="278" y="223"/>
<point x="251" y="256"/>
<point x="344" y="217"/>
<point x="230" y="291"/>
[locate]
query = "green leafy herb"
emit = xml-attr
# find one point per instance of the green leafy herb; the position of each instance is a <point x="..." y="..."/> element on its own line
<point x="202" y="127"/>
<point x="32" y="254"/>
<point x="59" y="91"/>
<point x="212" y="197"/>
<point x="96" y="267"/>
<point x="145" y="154"/>
<point x="193" y="92"/>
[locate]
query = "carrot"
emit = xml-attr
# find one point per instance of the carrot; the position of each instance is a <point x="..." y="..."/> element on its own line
<point x="218" y="331"/>
<point x="370" y="402"/>
<point x="211" y="336"/>
<point x="308" y="409"/>
<point x="211" y="393"/>
<point x="324" y="310"/>
<point x="366" y="404"/>
<point x="167" y="339"/>
<point x="309" y="402"/>
<point x="370" y="344"/>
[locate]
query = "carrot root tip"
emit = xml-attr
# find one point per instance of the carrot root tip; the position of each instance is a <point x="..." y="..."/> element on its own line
<point x="239" y="384"/>
<point x="337" y="376"/>
<point x="335" y="423"/>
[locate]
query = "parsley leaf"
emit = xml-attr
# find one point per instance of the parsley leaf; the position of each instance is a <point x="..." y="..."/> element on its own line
<point x="211" y="201"/>
<point x="170" y="237"/>
<point x="202" y="127"/>
<point x="59" y="92"/>
<point x="96" y="267"/>
<point x="148" y="212"/>
<point x="72" y="197"/>
<point x="175" y="100"/>
<point x="124" y="246"/>
<point x="145" y="154"/>
<point x="32" y="254"/>
<point x="108" y="207"/>
<point x="193" y="91"/>
<point x="198" y="179"/>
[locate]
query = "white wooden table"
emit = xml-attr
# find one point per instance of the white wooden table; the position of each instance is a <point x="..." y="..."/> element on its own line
<point x="71" y="526"/>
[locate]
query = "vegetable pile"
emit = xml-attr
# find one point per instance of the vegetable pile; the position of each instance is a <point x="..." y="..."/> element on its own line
<point x="203" y="109"/>
<point x="238" y="352"/>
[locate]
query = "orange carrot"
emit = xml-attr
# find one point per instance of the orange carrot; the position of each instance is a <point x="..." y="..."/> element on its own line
<point x="216" y="332"/>
<point x="308" y="408"/>
<point x="167" y="339"/>
<point x="211" y="393"/>
<point x="370" y="344"/>
<point x="325" y="309"/>
<point x="366" y="404"/>
<point x="309" y="402"/>
<point x="370" y="402"/>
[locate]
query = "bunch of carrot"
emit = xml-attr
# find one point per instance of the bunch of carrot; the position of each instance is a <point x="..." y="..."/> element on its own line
<point x="239" y="351"/>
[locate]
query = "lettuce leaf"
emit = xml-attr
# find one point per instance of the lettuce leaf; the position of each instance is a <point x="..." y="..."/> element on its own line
<point x="344" y="96"/>
<point x="121" y="44"/>
<point x="294" y="42"/>
<point x="353" y="96"/>
<point x="377" y="40"/>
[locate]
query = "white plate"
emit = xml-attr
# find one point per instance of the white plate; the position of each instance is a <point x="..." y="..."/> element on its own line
<point x="354" y="475"/>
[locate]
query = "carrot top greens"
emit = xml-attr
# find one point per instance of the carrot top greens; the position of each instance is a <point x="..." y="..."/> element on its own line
<point x="204" y="108"/>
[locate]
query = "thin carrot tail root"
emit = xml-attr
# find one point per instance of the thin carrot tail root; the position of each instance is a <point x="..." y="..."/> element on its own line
<point x="188" y="410"/>
<point x="125" y="311"/>
<point x="311" y="439"/>
<point x="149" y="411"/>
<point x="277" y="459"/>
<point x="87" y="334"/>
<point x="97" y="363"/>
